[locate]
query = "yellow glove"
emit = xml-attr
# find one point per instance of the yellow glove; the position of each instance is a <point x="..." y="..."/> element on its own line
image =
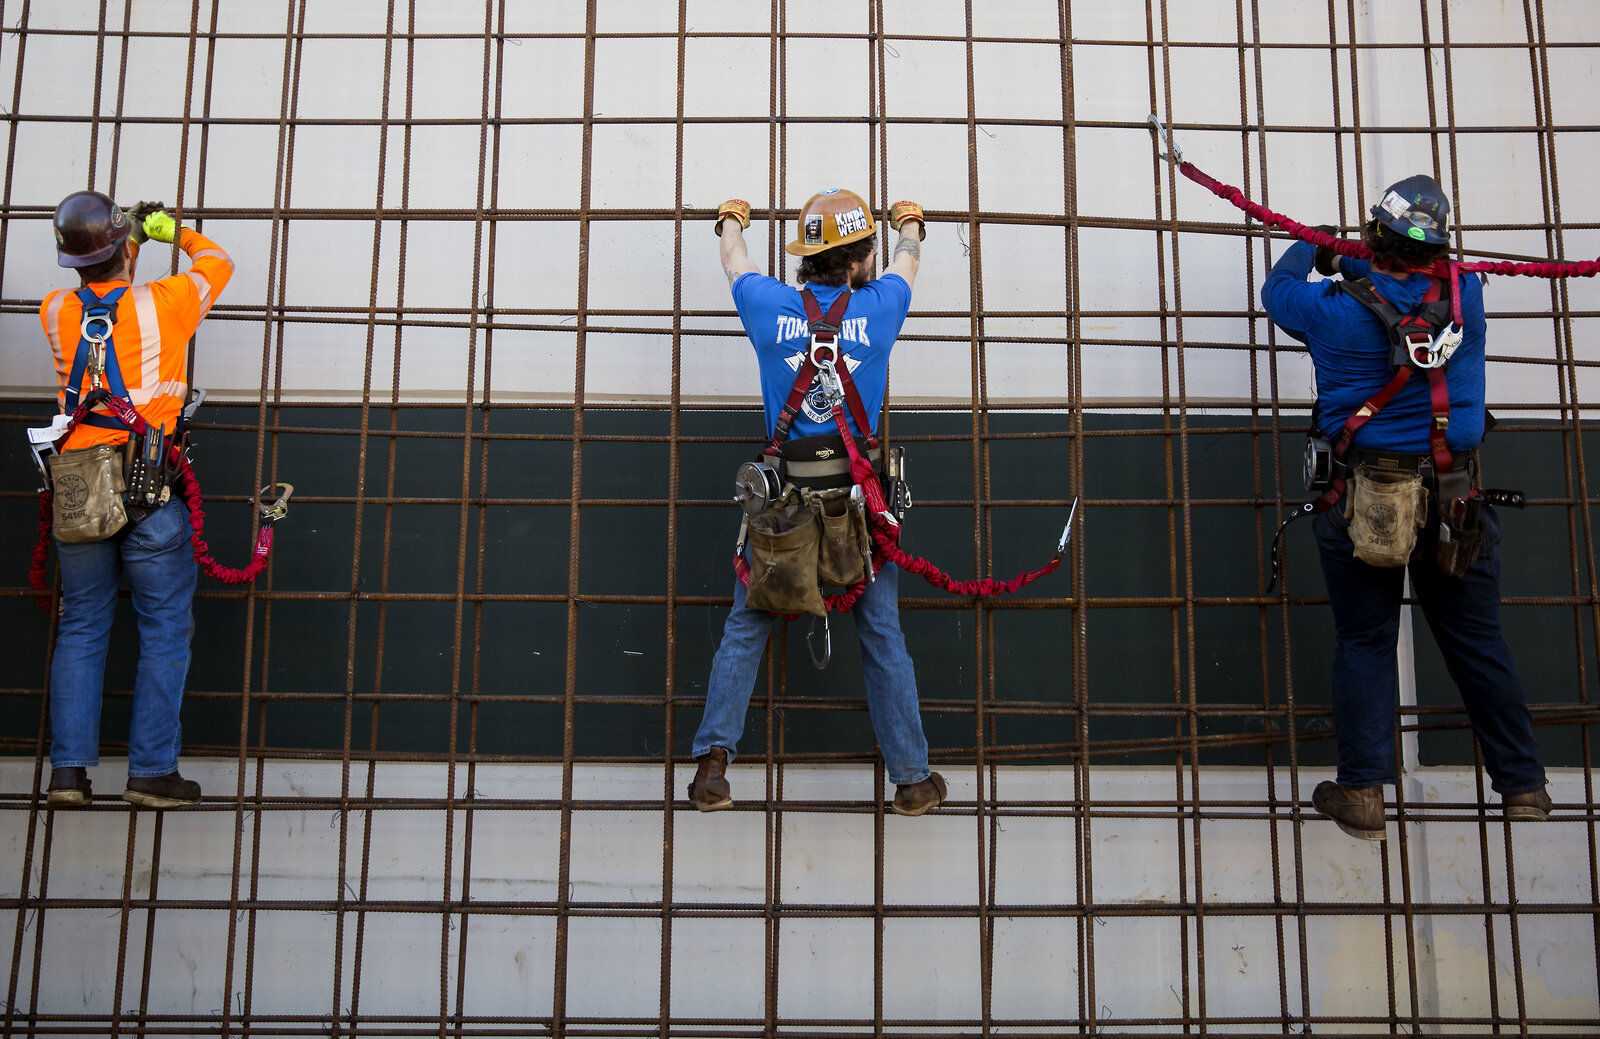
<point x="159" y="227"/>
<point x="737" y="208"/>
<point x="137" y="213"/>
<point x="900" y="212"/>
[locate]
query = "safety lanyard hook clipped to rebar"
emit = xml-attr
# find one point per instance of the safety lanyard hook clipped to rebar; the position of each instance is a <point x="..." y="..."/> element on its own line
<point x="279" y="508"/>
<point x="1173" y="154"/>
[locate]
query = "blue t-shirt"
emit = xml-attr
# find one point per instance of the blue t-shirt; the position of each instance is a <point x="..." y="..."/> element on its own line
<point x="774" y="317"/>
<point x="1351" y="351"/>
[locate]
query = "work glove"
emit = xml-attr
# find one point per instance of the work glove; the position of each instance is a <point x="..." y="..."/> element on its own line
<point x="1326" y="258"/>
<point x="737" y="208"/>
<point x="137" y="213"/>
<point x="159" y="226"/>
<point x="900" y="212"/>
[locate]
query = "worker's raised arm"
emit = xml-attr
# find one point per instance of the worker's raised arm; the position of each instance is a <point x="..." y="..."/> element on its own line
<point x="908" y="247"/>
<point x="733" y="216"/>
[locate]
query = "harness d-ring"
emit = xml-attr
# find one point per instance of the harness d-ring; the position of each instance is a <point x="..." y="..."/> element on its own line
<point x="827" y="643"/>
<point x="102" y="318"/>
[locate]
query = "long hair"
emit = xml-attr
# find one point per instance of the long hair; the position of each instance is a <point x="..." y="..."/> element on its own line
<point x="831" y="266"/>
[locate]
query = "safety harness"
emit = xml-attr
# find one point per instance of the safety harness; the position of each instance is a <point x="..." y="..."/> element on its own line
<point x="1422" y="339"/>
<point x="96" y="359"/>
<point x="821" y="364"/>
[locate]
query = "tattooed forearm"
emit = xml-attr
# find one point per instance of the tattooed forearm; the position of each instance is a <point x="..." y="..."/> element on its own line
<point x="908" y="246"/>
<point x="732" y="273"/>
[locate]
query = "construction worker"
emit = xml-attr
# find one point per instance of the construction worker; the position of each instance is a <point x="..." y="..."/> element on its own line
<point x="143" y="361"/>
<point x="836" y="240"/>
<point x="1398" y="346"/>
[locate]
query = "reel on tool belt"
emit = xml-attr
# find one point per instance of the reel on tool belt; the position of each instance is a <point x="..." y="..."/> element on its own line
<point x="756" y="487"/>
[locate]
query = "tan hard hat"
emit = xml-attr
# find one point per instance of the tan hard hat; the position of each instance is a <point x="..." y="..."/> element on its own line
<point x="830" y="218"/>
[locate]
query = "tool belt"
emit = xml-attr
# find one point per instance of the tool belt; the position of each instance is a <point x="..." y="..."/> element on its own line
<point x="808" y="539"/>
<point x="1393" y="495"/>
<point x="821" y="462"/>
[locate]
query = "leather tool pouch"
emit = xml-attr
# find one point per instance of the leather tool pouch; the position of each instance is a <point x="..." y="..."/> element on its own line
<point x="88" y="487"/>
<point x="845" y="549"/>
<point x="783" y="561"/>
<point x="1460" y="535"/>
<point x="1385" y="508"/>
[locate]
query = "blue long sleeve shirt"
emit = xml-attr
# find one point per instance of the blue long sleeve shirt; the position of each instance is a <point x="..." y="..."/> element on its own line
<point x="1350" y="349"/>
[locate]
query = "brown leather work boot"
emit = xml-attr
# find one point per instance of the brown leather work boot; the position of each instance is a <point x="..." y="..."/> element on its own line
<point x="1533" y="806"/>
<point x="916" y="798"/>
<point x="168" y="791"/>
<point x="710" y="791"/>
<point x="1357" y="810"/>
<point x="69" y="787"/>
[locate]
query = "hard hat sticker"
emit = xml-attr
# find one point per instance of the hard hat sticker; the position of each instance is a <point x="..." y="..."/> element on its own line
<point x="827" y="191"/>
<point x="814" y="230"/>
<point x="1416" y="232"/>
<point x="1394" y="204"/>
<point x="851" y="222"/>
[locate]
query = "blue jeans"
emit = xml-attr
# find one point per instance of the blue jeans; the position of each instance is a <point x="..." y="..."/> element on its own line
<point x="1464" y="615"/>
<point x="885" y="667"/>
<point x="161" y="570"/>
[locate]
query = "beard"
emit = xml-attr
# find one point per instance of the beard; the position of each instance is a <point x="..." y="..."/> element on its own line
<point x="859" y="278"/>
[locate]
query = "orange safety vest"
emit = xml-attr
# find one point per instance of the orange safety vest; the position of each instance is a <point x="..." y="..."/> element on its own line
<point x="154" y="323"/>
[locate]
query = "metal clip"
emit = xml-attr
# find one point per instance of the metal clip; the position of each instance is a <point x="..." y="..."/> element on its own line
<point x="278" y="509"/>
<point x="827" y="643"/>
<point x="827" y="375"/>
<point x="1066" y="532"/>
<point x="1173" y="154"/>
<point x="858" y="501"/>
<point x="198" y="397"/>
<point x="744" y="530"/>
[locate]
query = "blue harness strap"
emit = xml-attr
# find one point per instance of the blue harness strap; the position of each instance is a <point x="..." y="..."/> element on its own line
<point x="97" y="310"/>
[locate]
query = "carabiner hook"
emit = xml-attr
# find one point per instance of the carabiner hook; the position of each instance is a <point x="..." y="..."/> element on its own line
<point x="1066" y="532"/>
<point x="1173" y="154"/>
<point x="278" y="509"/>
<point x="827" y="643"/>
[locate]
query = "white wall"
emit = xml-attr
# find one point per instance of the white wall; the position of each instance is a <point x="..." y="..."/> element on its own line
<point x="1019" y="170"/>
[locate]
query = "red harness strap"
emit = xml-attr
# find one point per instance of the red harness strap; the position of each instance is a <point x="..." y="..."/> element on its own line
<point x="1438" y="391"/>
<point x="823" y="329"/>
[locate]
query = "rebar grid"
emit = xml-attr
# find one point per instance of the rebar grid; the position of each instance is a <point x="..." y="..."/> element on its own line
<point x="1184" y="724"/>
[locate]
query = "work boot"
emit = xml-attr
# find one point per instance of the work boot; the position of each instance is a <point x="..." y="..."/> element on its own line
<point x="69" y="787"/>
<point x="1533" y="806"/>
<point x="166" y="791"/>
<point x="1357" y="810"/>
<point x="916" y="798"/>
<point x="710" y="791"/>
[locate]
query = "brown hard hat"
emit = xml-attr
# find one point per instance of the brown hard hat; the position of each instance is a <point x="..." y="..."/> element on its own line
<point x="89" y="229"/>
<point x="830" y="218"/>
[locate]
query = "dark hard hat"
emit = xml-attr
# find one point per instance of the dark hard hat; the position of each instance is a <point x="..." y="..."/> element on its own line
<point x="89" y="229"/>
<point x="1416" y="208"/>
